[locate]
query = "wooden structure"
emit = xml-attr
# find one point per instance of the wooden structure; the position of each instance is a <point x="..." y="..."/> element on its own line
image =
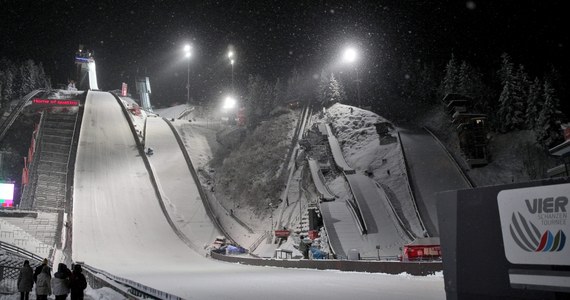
<point x="471" y="128"/>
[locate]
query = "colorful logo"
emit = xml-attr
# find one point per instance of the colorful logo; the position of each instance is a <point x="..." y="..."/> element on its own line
<point x="527" y="236"/>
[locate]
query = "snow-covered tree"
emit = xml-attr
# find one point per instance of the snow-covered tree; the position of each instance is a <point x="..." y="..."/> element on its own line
<point x="533" y="104"/>
<point x="18" y="80"/>
<point x="331" y="92"/>
<point x="8" y="81"/>
<point x="28" y="75"/>
<point x="511" y="110"/>
<point x="549" y="119"/>
<point x="260" y="100"/>
<point x="471" y="84"/>
<point x="252" y="100"/>
<point x="450" y="82"/>
<point x="507" y="68"/>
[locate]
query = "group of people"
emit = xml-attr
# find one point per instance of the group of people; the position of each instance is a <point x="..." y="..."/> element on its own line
<point x="63" y="282"/>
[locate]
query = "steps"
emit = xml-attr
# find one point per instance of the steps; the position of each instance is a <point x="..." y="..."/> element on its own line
<point x="51" y="165"/>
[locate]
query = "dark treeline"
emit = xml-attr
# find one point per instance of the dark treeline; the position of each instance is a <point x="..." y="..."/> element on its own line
<point x="19" y="78"/>
<point x="513" y="99"/>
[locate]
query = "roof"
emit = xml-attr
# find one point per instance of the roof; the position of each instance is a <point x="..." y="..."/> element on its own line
<point x="561" y="150"/>
<point x="451" y="97"/>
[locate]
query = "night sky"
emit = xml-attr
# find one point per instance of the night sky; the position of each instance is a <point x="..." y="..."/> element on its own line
<point x="145" y="38"/>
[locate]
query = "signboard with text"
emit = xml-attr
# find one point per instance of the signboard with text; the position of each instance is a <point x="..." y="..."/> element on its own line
<point x="534" y="223"/>
<point x="54" y="102"/>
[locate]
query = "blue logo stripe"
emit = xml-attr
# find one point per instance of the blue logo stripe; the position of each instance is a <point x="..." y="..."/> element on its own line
<point x="549" y="241"/>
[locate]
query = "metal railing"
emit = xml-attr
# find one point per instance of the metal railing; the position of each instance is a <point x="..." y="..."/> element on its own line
<point x="16" y="112"/>
<point x="137" y="290"/>
<point x="10" y="266"/>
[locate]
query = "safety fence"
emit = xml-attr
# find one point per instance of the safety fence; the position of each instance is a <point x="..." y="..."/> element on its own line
<point x="388" y="267"/>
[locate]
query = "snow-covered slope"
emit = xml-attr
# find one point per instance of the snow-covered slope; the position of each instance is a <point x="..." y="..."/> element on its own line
<point x="119" y="227"/>
<point x="364" y="149"/>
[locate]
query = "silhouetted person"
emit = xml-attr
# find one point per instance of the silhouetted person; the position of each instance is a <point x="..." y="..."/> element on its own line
<point x="43" y="284"/>
<point x="60" y="282"/>
<point x="304" y="246"/>
<point x="40" y="268"/>
<point x="25" y="281"/>
<point x="78" y="283"/>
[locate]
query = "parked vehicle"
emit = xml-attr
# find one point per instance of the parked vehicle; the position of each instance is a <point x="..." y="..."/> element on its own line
<point x="422" y="249"/>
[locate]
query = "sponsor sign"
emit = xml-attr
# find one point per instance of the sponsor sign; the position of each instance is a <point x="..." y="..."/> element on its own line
<point x="58" y="102"/>
<point x="535" y="224"/>
<point x="124" y="89"/>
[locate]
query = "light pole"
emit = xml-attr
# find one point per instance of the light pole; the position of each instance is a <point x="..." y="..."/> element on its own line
<point x="232" y="60"/>
<point x="350" y="56"/>
<point x="188" y="54"/>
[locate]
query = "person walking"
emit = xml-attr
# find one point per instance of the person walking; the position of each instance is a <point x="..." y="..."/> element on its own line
<point x="78" y="283"/>
<point x="25" y="281"/>
<point x="43" y="284"/>
<point x="60" y="282"/>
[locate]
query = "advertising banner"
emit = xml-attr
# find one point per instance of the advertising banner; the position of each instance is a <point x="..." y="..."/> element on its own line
<point x="124" y="90"/>
<point x="534" y="223"/>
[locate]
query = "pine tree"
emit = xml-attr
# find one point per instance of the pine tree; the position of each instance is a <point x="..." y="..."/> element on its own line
<point x="332" y="92"/>
<point x="507" y="68"/>
<point x="548" y="124"/>
<point x="470" y="81"/>
<point x="521" y="86"/>
<point x="260" y="100"/>
<point x="511" y="104"/>
<point x="43" y="80"/>
<point x="252" y="100"/>
<point x="450" y="82"/>
<point x="534" y="102"/>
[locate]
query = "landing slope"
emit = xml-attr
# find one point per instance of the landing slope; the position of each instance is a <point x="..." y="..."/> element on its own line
<point x="179" y="191"/>
<point x="432" y="171"/>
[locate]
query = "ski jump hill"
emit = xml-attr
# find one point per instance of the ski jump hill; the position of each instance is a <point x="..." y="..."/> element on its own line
<point x="139" y="219"/>
<point x="366" y="222"/>
<point x="425" y="157"/>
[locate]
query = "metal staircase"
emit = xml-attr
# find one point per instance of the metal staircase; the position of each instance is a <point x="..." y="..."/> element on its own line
<point x="48" y="185"/>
